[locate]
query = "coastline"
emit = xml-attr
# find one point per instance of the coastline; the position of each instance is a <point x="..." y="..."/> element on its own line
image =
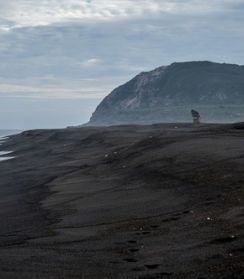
<point x="123" y="202"/>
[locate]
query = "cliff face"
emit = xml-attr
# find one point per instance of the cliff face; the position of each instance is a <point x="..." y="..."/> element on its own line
<point x="169" y="93"/>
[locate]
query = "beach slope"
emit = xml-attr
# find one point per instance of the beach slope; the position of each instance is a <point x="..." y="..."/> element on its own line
<point x="159" y="201"/>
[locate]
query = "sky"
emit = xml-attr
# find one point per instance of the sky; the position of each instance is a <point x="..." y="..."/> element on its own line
<point x="60" y="58"/>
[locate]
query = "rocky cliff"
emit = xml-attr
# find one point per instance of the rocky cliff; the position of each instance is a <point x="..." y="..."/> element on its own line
<point x="168" y="93"/>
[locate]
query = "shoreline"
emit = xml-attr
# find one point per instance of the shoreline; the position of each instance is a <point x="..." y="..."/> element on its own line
<point x="3" y="139"/>
<point x="123" y="202"/>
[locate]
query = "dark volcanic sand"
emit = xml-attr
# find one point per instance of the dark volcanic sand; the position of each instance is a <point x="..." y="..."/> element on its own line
<point x="124" y="202"/>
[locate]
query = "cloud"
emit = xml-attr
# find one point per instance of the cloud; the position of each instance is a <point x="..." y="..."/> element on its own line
<point x="22" y="13"/>
<point x="24" y="91"/>
<point x="92" y="62"/>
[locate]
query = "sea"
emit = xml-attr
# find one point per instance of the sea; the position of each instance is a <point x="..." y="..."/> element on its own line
<point x="6" y="154"/>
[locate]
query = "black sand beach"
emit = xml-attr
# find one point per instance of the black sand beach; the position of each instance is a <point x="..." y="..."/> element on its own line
<point x="160" y="201"/>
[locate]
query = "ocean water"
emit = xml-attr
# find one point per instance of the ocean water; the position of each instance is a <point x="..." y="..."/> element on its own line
<point x="5" y="155"/>
<point x="4" y="133"/>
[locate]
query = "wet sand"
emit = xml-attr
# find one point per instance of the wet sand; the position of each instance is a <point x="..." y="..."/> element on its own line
<point x="160" y="201"/>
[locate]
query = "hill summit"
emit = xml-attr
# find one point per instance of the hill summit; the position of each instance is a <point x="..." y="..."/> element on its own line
<point x="168" y="93"/>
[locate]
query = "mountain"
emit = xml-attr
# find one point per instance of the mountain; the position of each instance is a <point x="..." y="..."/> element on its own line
<point x="168" y="93"/>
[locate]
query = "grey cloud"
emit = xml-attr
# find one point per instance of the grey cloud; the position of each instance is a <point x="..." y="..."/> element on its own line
<point x="22" y="13"/>
<point x="59" y="51"/>
<point x="43" y="12"/>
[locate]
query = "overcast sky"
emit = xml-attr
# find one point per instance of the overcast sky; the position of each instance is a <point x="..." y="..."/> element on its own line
<point x="59" y="58"/>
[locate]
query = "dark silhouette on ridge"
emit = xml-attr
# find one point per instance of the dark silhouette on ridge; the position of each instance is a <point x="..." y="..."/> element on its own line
<point x="196" y="116"/>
